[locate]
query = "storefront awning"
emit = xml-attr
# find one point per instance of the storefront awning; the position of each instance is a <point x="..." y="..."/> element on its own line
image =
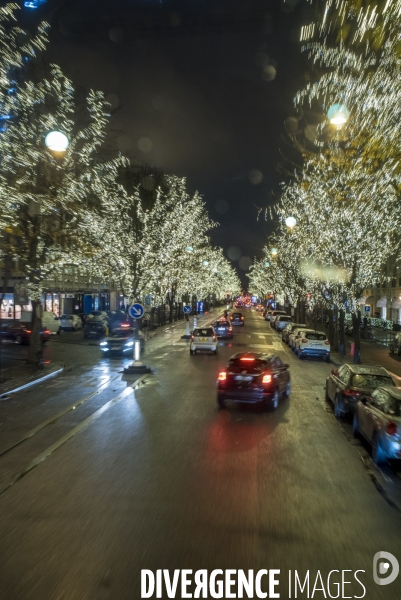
<point x="369" y="300"/>
<point x="396" y="303"/>
<point x="382" y="302"/>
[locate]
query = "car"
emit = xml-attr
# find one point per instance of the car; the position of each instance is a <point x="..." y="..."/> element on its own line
<point x="294" y="334"/>
<point x="121" y="342"/>
<point x="259" y="308"/>
<point x="223" y="329"/>
<point x="288" y="329"/>
<point x="274" y="313"/>
<point x="345" y="386"/>
<point x="20" y="333"/>
<point x="395" y="344"/>
<point x="281" y="321"/>
<point x="237" y="319"/>
<point x="312" y="343"/>
<point x="203" y="339"/>
<point x="72" y="322"/>
<point x="96" y="327"/>
<point x="378" y="419"/>
<point x="254" y="378"/>
<point x="51" y="322"/>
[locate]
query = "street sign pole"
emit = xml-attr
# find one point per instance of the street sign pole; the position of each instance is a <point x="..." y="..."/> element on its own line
<point x="136" y="312"/>
<point x="187" y="311"/>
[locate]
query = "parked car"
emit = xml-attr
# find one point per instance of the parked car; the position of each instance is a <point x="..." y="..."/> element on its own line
<point x="96" y="327"/>
<point x="72" y="322"/>
<point x="378" y="419"/>
<point x="237" y="319"/>
<point x="253" y="377"/>
<point x="203" y="339"/>
<point x="274" y="313"/>
<point x="51" y="322"/>
<point x="312" y="343"/>
<point x="288" y="329"/>
<point x="281" y="321"/>
<point x="20" y="333"/>
<point x="346" y="385"/>
<point x="223" y="329"/>
<point x="395" y="345"/>
<point x="259" y="308"/>
<point x="121" y="342"/>
<point x="294" y="335"/>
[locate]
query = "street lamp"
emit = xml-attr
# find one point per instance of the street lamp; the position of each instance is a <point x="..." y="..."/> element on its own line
<point x="338" y="114"/>
<point x="267" y="264"/>
<point x="274" y="251"/>
<point x="290" y="222"/>
<point x="189" y="249"/>
<point x="57" y="142"/>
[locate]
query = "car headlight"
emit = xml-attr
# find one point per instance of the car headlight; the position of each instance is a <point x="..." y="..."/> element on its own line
<point x="103" y="343"/>
<point x="129" y="344"/>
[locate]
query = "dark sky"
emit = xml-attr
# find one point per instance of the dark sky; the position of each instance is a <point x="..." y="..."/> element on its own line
<point x="201" y="89"/>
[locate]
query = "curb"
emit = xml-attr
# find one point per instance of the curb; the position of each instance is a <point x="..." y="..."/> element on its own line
<point x="30" y="381"/>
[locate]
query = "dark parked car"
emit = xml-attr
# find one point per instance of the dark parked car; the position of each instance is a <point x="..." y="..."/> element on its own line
<point x="252" y="377"/>
<point x="96" y="327"/>
<point x="20" y="333"/>
<point x="223" y="329"/>
<point x="348" y="384"/>
<point x="121" y="342"/>
<point x="237" y="319"/>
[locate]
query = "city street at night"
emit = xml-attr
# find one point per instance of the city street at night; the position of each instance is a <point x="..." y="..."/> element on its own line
<point x="163" y="479"/>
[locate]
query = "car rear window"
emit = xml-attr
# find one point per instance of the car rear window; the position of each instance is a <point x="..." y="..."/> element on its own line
<point x="207" y="332"/>
<point x="371" y="381"/>
<point x="278" y="312"/>
<point x="237" y="315"/>
<point x="285" y="318"/>
<point x="315" y="336"/>
<point x="222" y="324"/>
<point x="238" y="365"/>
<point x="67" y="316"/>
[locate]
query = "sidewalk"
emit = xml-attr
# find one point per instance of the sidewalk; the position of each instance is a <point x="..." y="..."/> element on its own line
<point x="24" y="375"/>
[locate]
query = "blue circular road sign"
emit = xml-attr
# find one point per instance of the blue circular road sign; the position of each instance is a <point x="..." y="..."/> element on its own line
<point x="187" y="309"/>
<point x="136" y="311"/>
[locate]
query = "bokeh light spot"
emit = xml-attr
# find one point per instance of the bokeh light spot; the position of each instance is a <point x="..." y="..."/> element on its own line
<point x="256" y="177"/>
<point x="221" y="207"/>
<point x="145" y="144"/>
<point x="234" y="253"/>
<point x="244" y="263"/>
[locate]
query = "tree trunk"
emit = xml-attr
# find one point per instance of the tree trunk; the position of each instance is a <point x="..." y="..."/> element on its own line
<point x="35" y="352"/>
<point x="331" y="328"/>
<point x="356" y="323"/>
<point x="341" y="347"/>
<point x="335" y="328"/>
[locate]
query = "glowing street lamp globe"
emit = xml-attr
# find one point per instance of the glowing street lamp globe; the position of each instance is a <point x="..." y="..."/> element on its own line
<point x="274" y="251"/>
<point x="267" y="264"/>
<point x="290" y="222"/>
<point x="56" y="141"/>
<point x="338" y="114"/>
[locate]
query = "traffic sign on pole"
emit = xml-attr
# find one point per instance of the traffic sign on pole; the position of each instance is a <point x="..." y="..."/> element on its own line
<point x="187" y="309"/>
<point x="136" y="311"/>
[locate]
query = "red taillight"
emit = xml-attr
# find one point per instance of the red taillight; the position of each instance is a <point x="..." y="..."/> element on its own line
<point x="248" y="359"/>
<point x="351" y="393"/>
<point x="222" y="376"/>
<point x="391" y="428"/>
<point x="192" y="337"/>
<point x="327" y="342"/>
<point x="230" y="329"/>
<point x="47" y="331"/>
<point x="267" y="379"/>
<point x="214" y="338"/>
<point x="125" y="325"/>
<point x="304" y="341"/>
<point x="28" y="331"/>
<point x="242" y="318"/>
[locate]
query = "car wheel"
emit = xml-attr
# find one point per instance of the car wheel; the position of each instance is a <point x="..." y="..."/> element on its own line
<point x="300" y="355"/>
<point x="338" y="413"/>
<point x="215" y="351"/>
<point x="59" y="331"/>
<point x="220" y="401"/>
<point x="192" y="352"/>
<point x="327" y="358"/>
<point x="378" y="455"/>
<point x="355" y="426"/>
<point x="399" y="350"/>
<point x="275" y="400"/>
<point x="18" y="340"/>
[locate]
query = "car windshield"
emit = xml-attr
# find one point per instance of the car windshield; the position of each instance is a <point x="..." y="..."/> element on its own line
<point x="246" y="363"/>
<point x="369" y="380"/>
<point x="315" y="336"/>
<point x="122" y="333"/>
<point x="281" y="319"/>
<point x="207" y="332"/>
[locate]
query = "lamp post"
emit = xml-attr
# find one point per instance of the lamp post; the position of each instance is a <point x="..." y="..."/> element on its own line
<point x="290" y="222"/>
<point x="338" y="115"/>
<point x="57" y="142"/>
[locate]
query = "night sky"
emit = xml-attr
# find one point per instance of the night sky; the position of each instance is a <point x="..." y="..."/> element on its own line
<point x="199" y="88"/>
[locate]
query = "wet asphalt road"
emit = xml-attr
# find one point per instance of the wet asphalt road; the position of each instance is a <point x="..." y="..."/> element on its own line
<point x="163" y="480"/>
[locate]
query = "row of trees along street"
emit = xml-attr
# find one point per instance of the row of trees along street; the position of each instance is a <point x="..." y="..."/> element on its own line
<point x="338" y="218"/>
<point x="70" y="206"/>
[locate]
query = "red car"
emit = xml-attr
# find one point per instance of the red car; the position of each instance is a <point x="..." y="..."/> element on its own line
<point x="20" y="332"/>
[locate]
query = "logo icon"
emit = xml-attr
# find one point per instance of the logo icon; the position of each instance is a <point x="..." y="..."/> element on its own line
<point x="381" y="568"/>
